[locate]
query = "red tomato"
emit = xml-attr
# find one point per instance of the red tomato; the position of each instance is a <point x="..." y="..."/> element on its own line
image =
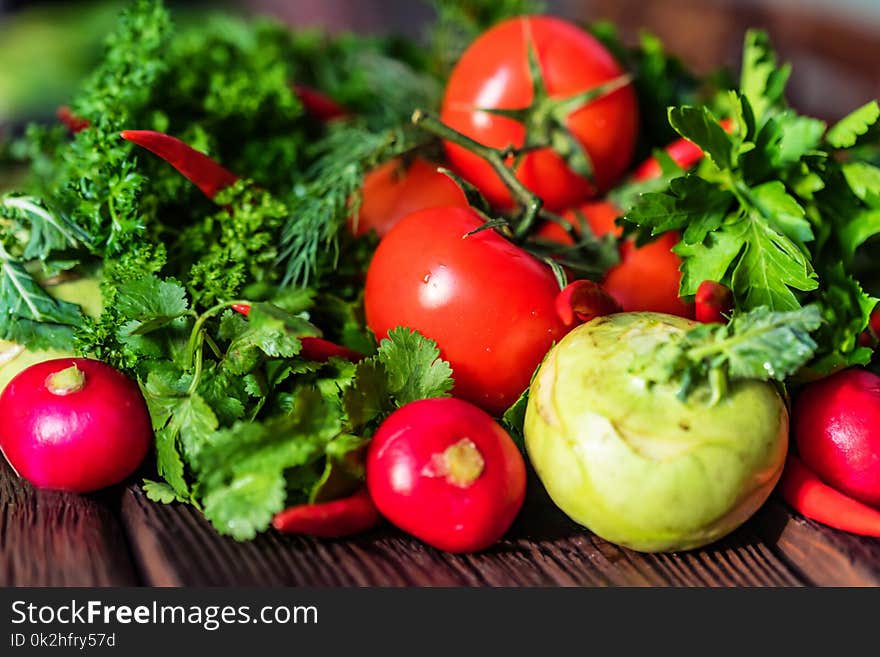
<point x="600" y="216"/>
<point x="648" y="278"/>
<point x="645" y="279"/>
<point x="836" y="424"/>
<point x="493" y="73"/>
<point x="444" y="471"/>
<point x="391" y="192"/>
<point x="489" y="305"/>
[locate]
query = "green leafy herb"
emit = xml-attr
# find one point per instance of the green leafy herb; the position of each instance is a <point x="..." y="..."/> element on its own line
<point x="759" y="344"/>
<point x="772" y="212"/>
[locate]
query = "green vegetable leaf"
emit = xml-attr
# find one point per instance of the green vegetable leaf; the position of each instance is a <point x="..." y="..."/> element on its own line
<point x="150" y="303"/>
<point x="181" y="415"/>
<point x="690" y="204"/>
<point x="241" y="470"/>
<point x="700" y="126"/>
<point x="782" y="211"/>
<point x="770" y="268"/>
<point x="159" y="491"/>
<point x="514" y="418"/>
<point x="762" y="80"/>
<point x="344" y="469"/>
<point x="846" y="132"/>
<point x="415" y="369"/>
<point x="26" y="218"/>
<point x="760" y="344"/>
<point x="368" y="397"/>
<point x="269" y="332"/>
<point x="846" y="310"/>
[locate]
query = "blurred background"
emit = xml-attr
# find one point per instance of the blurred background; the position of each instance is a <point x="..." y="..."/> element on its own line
<point x="834" y="45"/>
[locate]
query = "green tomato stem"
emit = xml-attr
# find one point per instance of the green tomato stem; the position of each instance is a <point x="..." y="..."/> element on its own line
<point x="530" y="201"/>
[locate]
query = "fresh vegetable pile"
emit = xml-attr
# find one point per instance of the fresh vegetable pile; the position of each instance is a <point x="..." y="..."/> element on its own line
<point x="301" y="246"/>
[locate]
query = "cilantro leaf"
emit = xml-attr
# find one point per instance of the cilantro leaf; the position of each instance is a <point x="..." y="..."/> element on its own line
<point x="846" y="132"/>
<point x="368" y="397"/>
<point x="690" y="204"/>
<point x="241" y="470"/>
<point x="846" y="310"/>
<point x="269" y="332"/>
<point x="150" y="303"/>
<point x="159" y="491"/>
<point x="415" y="370"/>
<point x="180" y="414"/>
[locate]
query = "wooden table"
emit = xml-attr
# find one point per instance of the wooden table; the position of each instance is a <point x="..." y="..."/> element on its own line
<point x="119" y="537"/>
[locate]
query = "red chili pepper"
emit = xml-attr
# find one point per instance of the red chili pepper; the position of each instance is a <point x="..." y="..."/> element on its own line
<point x="317" y="349"/>
<point x="808" y="495"/>
<point x="343" y="517"/>
<point x="683" y="152"/>
<point x="583" y="300"/>
<point x="73" y="122"/>
<point x="319" y="104"/>
<point x="198" y="168"/>
<point x="713" y="302"/>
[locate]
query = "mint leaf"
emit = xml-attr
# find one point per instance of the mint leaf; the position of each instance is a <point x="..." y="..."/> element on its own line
<point x="415" y="369"/>
<point x="846" y="132"/>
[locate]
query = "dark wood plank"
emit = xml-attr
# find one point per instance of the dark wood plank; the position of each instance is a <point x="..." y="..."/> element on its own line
<point x="825" y="556"/>
<point x="173" y="546"/>
<point x="48" y="538"/>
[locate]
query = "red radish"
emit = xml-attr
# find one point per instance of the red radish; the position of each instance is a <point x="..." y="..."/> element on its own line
<point x="447" y="473"/>
<point x="837" y="429"/>
<point x="73" y="424"/>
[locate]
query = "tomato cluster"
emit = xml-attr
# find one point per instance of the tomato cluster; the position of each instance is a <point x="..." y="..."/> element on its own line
<point x="491" y="306"/>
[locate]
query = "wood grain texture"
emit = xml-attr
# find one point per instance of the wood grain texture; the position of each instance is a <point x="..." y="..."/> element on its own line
<point x="174" y="546"/>
<point x="824" y="556"/>
<point x="48" y="538"/>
